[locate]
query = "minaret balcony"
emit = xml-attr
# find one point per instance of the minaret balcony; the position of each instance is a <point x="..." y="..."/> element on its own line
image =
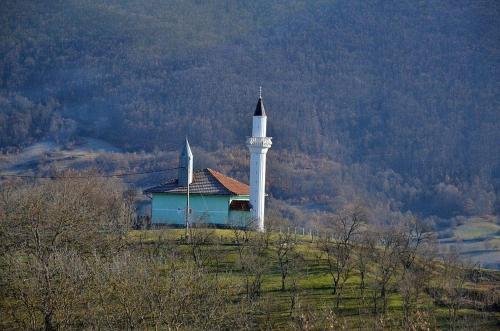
<point x="264" y="142"/>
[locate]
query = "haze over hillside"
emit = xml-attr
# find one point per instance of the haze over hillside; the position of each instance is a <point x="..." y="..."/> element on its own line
<point x="394" y="103"/>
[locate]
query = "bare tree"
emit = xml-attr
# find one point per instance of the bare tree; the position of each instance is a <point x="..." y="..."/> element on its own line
<point x="453" y="281"/>
<point x="385" y="260"/>
<point x="339" y="249"/>
<point x="253" y="261"/>
<point x="46" y="223"/>
<point x="284" y="249"/>
<point x="414" y="242"/>
<point x="362" y="254"/>
<point x="135" y="292"/>
<point x="201" y="235"/>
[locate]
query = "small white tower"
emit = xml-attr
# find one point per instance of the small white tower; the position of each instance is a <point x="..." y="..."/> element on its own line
<point x="258" y="145"/>
<point x="185" y="165"/>
<point x="185" y="177"/>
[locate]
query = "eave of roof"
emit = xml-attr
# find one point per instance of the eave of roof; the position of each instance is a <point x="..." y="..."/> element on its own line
<point x="206" y="181"/>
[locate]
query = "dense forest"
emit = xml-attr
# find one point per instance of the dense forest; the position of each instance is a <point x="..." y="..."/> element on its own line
<point x="391" y="102"/>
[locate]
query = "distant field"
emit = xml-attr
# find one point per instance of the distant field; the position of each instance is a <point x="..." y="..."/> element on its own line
<point x="49" y="153"/>
<point x="478" y="239"/>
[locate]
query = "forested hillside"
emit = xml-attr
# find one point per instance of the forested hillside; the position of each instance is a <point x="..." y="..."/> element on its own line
<point x="394" y="103"/>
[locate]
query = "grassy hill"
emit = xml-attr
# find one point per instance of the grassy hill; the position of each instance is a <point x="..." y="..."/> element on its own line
<point x="308" y="294"/>
<point x="70" y="261"/>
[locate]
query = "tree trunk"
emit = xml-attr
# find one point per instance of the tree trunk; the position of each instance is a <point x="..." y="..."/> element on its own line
<point x="384" y="301"/>
<point x="47" y="322"/>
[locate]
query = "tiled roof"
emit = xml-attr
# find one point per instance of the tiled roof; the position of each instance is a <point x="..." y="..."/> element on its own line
<point x="231" y="184"/>
<point x="206" y="181"/>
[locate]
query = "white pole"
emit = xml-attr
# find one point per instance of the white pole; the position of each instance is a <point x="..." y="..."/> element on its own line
<point x="187" y="208"/>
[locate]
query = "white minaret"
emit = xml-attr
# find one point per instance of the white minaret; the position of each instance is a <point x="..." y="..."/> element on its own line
<point x="258" y="144"/>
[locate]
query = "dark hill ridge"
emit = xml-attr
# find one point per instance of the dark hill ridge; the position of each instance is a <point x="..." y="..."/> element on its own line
<point x="402" y="95"/>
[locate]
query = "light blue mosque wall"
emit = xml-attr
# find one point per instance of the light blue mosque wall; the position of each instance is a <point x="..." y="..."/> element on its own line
<point x="214" y="209"/>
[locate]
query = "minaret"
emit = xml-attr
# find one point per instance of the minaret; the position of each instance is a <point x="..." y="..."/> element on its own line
<point x="185" y="165"/>
<point x="258" y="145"/>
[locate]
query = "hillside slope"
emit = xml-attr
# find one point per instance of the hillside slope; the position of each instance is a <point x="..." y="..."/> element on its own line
<point x="393" y="103"/>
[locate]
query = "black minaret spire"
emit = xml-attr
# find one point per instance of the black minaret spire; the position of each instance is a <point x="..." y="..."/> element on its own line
<point x="259" y="110"/>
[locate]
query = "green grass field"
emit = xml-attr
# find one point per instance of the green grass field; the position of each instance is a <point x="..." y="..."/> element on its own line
<point x="313" y="287"/>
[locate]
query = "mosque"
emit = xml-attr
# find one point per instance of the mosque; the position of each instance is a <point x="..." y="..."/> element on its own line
<point x="209" y="197"/>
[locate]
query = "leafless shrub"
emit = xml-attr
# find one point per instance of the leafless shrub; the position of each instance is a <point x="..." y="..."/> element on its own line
<point x="453" y="286"/>
<point x="414" y="243"/>
<point x="421" y="320"/>
<point x="310" y="318"/>
<point x="362" y="253"/>
<point x="199" y="237"/>
<point x="339" y="249"/>
<point x="135" y="292"/>
<point x="49" y="226"/>
<point x="284" y="251"/>
<point x="252" y="258"/>
<point x="384" y="258"/>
